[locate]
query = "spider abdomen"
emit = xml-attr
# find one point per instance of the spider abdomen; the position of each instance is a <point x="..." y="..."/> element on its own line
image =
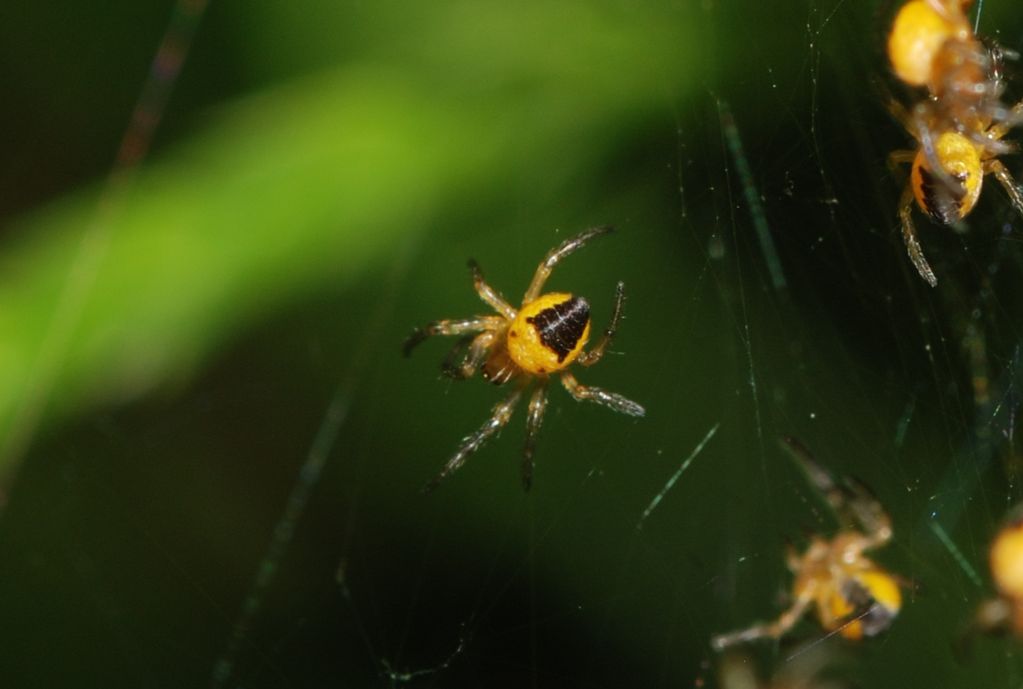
<point x="960" y="160"/>
<point x="549" y="333"/>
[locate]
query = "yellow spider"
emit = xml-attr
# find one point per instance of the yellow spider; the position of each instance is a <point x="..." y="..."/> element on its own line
<point x="945" y="180"/>
<point x="526" y="347"/>
<point x="932" y="45"/>
<point x="958" y="125"/>
<point x="853" y="595"/>
<point x="1005" y="613"/>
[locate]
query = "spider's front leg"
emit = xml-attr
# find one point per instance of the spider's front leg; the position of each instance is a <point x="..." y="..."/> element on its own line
<point x="498" y="419"/>
<point x="600" y="396"/>
<point x="913" y="248"/>
<point x="1003" y="176"/>
<point x="488" y="294"/>
<point x="449" y="327"/>
<point x="556" y="254"/>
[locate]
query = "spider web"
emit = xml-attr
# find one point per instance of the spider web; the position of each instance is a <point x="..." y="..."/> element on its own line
<point x="260" y="524"/>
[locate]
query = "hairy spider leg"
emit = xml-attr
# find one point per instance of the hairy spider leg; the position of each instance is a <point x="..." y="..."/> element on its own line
<point x="996" y="168"/>
<point x="773" y="630"/>
<point x="594" y="355"/>
<point x="1015" y="116"/>
<point x="498" y="419"/>
<point x="460" y="326"/>
<point x="600" y="396"/>
<point x="479" y="347"/>
<point x="852" y="500"/>
<point x="555" y="255"/>
<point x="916" y="252"/>
<point x="534" y="417"/>
<point x="488" y="294"/>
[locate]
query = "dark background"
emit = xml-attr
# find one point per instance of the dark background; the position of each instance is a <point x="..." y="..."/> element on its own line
<point x="321" y="175"/>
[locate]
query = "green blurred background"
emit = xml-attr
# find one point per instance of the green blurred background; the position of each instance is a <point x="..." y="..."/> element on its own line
<point x="322" y="173"/>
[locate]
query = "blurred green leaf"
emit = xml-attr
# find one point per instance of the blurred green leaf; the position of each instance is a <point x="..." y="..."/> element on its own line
<point x="308" y="184"/>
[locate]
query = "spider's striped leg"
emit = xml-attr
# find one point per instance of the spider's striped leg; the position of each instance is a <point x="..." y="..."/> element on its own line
<point x="498" y="419"/>
<point x="488" y="294"/>
<point x="556" y="254"/>
<point x="996" y="168"/>
<point x="1012" y="119"/>
<point x="594" y="355"/>
<point x="450" y="327"/>
<point x="478" y="349"/>
<point x="600" y="396"/>
<point x="537" y="407"/>
<point x="769" y="630"/>
<point x="913" y="248"/>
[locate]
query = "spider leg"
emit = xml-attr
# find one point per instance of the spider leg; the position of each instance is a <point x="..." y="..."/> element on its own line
<point x="556" y="254"/>
<point x="769" y="630"/>
<point x="450" y="327"/>
<point x="594" y="355"/>
<point x="996" y="168"/>
<point x="852" y="500"/>
<point x="479" y="347"/>
<point x="864" y="507"/>
<point x="948" y="9"/>
<point x="498" y="419"/>
<point x="916" y="253"/>
<point x="1014" y="118"/>
<point x="488" y="293"/>
<point x="793" y="559"/>
<point x="901" y="157"/>
<point x="537" y="407"/>
<point x="600" y="396"/>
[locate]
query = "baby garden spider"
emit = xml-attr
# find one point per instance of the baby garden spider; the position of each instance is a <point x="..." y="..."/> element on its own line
<point x="1005" y="613"/>
<point x="949" y="192"/>
<point x="932" y="45"/>
<point x="526" y="346"/>
<point x="853" y="595"/>
<point x="960" y="122"/>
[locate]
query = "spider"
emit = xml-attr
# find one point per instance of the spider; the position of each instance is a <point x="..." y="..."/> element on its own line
<point x="932" y="44"/>
<point x="959" y="125"/>
<point x="947" y="174"/>
<point x="526" y="347"/>
<point x="853" y="595"/>
<point x="1005" y="613"/>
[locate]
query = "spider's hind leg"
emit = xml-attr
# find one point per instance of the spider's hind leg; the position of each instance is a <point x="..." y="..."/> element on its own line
<point x="498" y="419"/>
<point x="537" y="407"/>
<point x="589" y="393"/>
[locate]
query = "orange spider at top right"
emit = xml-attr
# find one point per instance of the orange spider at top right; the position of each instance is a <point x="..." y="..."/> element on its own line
<point x="958" y="122"/>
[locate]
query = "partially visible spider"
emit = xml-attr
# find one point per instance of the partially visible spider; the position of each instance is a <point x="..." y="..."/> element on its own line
<point x="932" y="44"/>
<point x="526" y="347"/>
<point x="1005" y="613"/>
<point x="958" y="124"/>
<point x="853" y="595"/>
<point x="933" y="47"/>
<point x="948" y="194"/>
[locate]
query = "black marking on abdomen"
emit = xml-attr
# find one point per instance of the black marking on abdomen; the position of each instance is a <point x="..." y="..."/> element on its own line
<point x="874" y="616"/>
<point x="941" y="202"/>
<point x="560" y="326"/>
